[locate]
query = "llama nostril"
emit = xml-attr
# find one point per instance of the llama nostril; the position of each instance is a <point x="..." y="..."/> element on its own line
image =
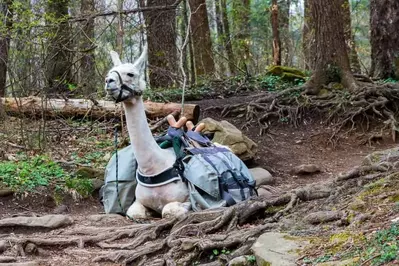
<point x="110" y="80"/>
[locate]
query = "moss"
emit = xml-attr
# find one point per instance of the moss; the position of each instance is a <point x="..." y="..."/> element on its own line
<point x="89" y="173"/>
<point x="286" y="73"/>
<point x="273" y="209"/>
<point x="394" y="198"/>
<point x="323" y="92"/>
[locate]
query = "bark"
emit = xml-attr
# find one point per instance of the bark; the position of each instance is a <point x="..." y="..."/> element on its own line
<point x="308" y="38"/>
<point x="384" y="38"/>
<point x="161" y="38"/>
<point x="242" y="32"/>
<point x="332" y="62"/>
<point x="58" y="67"/>
<point x="284" y="24"/>
<point x="276" y="34"/>
<point x="87" y="62"/>
<point x="55" y="108"/>
<point x="220" y="35"/>
<point x="120" y="32"/>
<point x="5" y="13"/>
<point x="202" y="45"/>
<point x="227" y="38"/>
<point x="350" y="38"/>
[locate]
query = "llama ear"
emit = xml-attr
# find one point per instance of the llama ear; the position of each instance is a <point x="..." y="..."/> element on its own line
<point x="140" y="62"/>
<point x="115" y="58"/>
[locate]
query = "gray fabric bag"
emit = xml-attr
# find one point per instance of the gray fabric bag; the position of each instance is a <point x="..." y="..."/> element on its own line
<point x="216" y="178"/>
<point x="125" y="185"/>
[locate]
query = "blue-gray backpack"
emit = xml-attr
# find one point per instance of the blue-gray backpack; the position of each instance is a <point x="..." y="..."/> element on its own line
<point x="215" y="176"/>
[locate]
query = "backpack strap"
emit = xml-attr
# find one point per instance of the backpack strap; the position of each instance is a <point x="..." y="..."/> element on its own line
<point x="223" y="186"/>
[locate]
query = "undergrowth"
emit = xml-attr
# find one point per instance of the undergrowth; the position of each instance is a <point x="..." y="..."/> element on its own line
<point x="377" y="249"/>
<point x="25" y="174"/>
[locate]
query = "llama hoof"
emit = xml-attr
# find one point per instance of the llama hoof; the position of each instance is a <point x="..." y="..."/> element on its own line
<point x="176" y="210"/>
<point x="138" y="211"/>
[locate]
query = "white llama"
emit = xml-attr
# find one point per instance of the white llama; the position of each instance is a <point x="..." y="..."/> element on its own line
<point x="125" y="83"/>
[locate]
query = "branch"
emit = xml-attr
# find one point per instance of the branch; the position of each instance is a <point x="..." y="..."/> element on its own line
<point x="126" y="12"/>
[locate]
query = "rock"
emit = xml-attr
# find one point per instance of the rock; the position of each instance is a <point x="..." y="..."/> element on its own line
<point x="7" y="259"/>
<point x="4" y="245"/>
<point x="262" y="176"/>
<point x="305" y="169"/>
<point x="30" y="249"/>
<point x="389" y="155"/>
<point x="266" y="191"/>
<point x="286" y="73"/>
<point x="227" y="134"/>
<point x="239" y="261"/>
<point x="5" y="192"/>
<point x="276" y="249"/>
<point x="47" y="221"/>
<point x="105" y="218"/>
<point x="30" y="263"/>
<point x="97" y="184"/>
<point x="61" y="209"/>
<point x="323" y="217"/>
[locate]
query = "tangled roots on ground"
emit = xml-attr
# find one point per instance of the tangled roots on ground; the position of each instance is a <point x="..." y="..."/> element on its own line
<point x="370" y="103"/>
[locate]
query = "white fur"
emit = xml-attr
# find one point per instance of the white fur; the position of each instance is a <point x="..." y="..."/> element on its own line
<point x="171" y="199"/>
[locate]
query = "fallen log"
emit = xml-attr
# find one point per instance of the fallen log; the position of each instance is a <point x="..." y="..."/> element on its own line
<point x="78" y="108"/>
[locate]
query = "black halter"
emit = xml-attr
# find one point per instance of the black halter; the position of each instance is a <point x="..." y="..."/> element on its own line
<point x="125" y="87"/>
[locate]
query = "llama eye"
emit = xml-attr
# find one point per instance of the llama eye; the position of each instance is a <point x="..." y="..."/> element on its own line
<point x="130" y="75"/>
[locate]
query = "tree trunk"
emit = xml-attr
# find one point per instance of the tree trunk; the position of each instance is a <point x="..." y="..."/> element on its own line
<point x="242" y="9"/>
<point x="284" y="25"/>
<point x="161" y="38"/>
<point x="120" y="32"/>
<point x="6" y="14"/>
<point x="87" y="62"/>
<point x="202" y="45"/>
<point x="308" y="38"/>
<point x="220" y="36"/>
<point x="276" y="34"/>
<point x="332" y="62"/>
<point x="56" y="108"/>
<point x="384" y="38"/>
<point x="350" y="38"/>
<point x="227" y="38"/>
<point x="58" y="69"/>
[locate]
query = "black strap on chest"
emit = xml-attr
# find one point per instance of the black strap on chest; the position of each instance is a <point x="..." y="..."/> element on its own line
<point x="160" y="178"/>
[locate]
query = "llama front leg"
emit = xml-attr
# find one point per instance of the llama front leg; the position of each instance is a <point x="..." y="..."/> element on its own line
<point x="176" y="210"/>
<point x="138" y="211"/>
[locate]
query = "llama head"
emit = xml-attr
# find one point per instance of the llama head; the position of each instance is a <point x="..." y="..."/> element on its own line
<point x="126" y="81"/>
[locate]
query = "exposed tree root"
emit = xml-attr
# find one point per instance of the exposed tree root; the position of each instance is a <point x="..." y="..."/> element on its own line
<point x="172" y="242"/>
<point x="366" y="104"/>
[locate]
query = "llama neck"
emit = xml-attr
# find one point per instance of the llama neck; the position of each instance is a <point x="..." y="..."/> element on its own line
<point x="151" y="159"/>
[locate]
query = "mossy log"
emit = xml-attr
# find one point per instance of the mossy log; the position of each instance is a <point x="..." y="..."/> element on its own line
<point x="286" y="73"/>
<point x="77" y="108"/>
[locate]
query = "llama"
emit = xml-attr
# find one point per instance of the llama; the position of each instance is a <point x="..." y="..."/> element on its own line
<point x="125" y="83"/>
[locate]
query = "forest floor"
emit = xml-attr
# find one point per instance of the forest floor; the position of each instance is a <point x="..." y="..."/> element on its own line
<point x="351" y="211"/>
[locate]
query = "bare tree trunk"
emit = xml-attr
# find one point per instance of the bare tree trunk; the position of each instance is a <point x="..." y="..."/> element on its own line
<point x="242" y="32"/>
<point x="220" y="35"/>
<point x="276" y="34"/>
<point x="227" y="38"/>
<point x="120" y="32"/>
<point x="308" y="38"/>
<point x="58" y="69"/>
<point x="349" y="37"/>
<point x="384" y="38"/>
<point x="87" y="62"/>
<point x="332" y="62"/>
<point x="202" y="45"/>
<point x="284" y="24"/>
<point x="6" y="13"/>
<point x="161" y="38"/>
